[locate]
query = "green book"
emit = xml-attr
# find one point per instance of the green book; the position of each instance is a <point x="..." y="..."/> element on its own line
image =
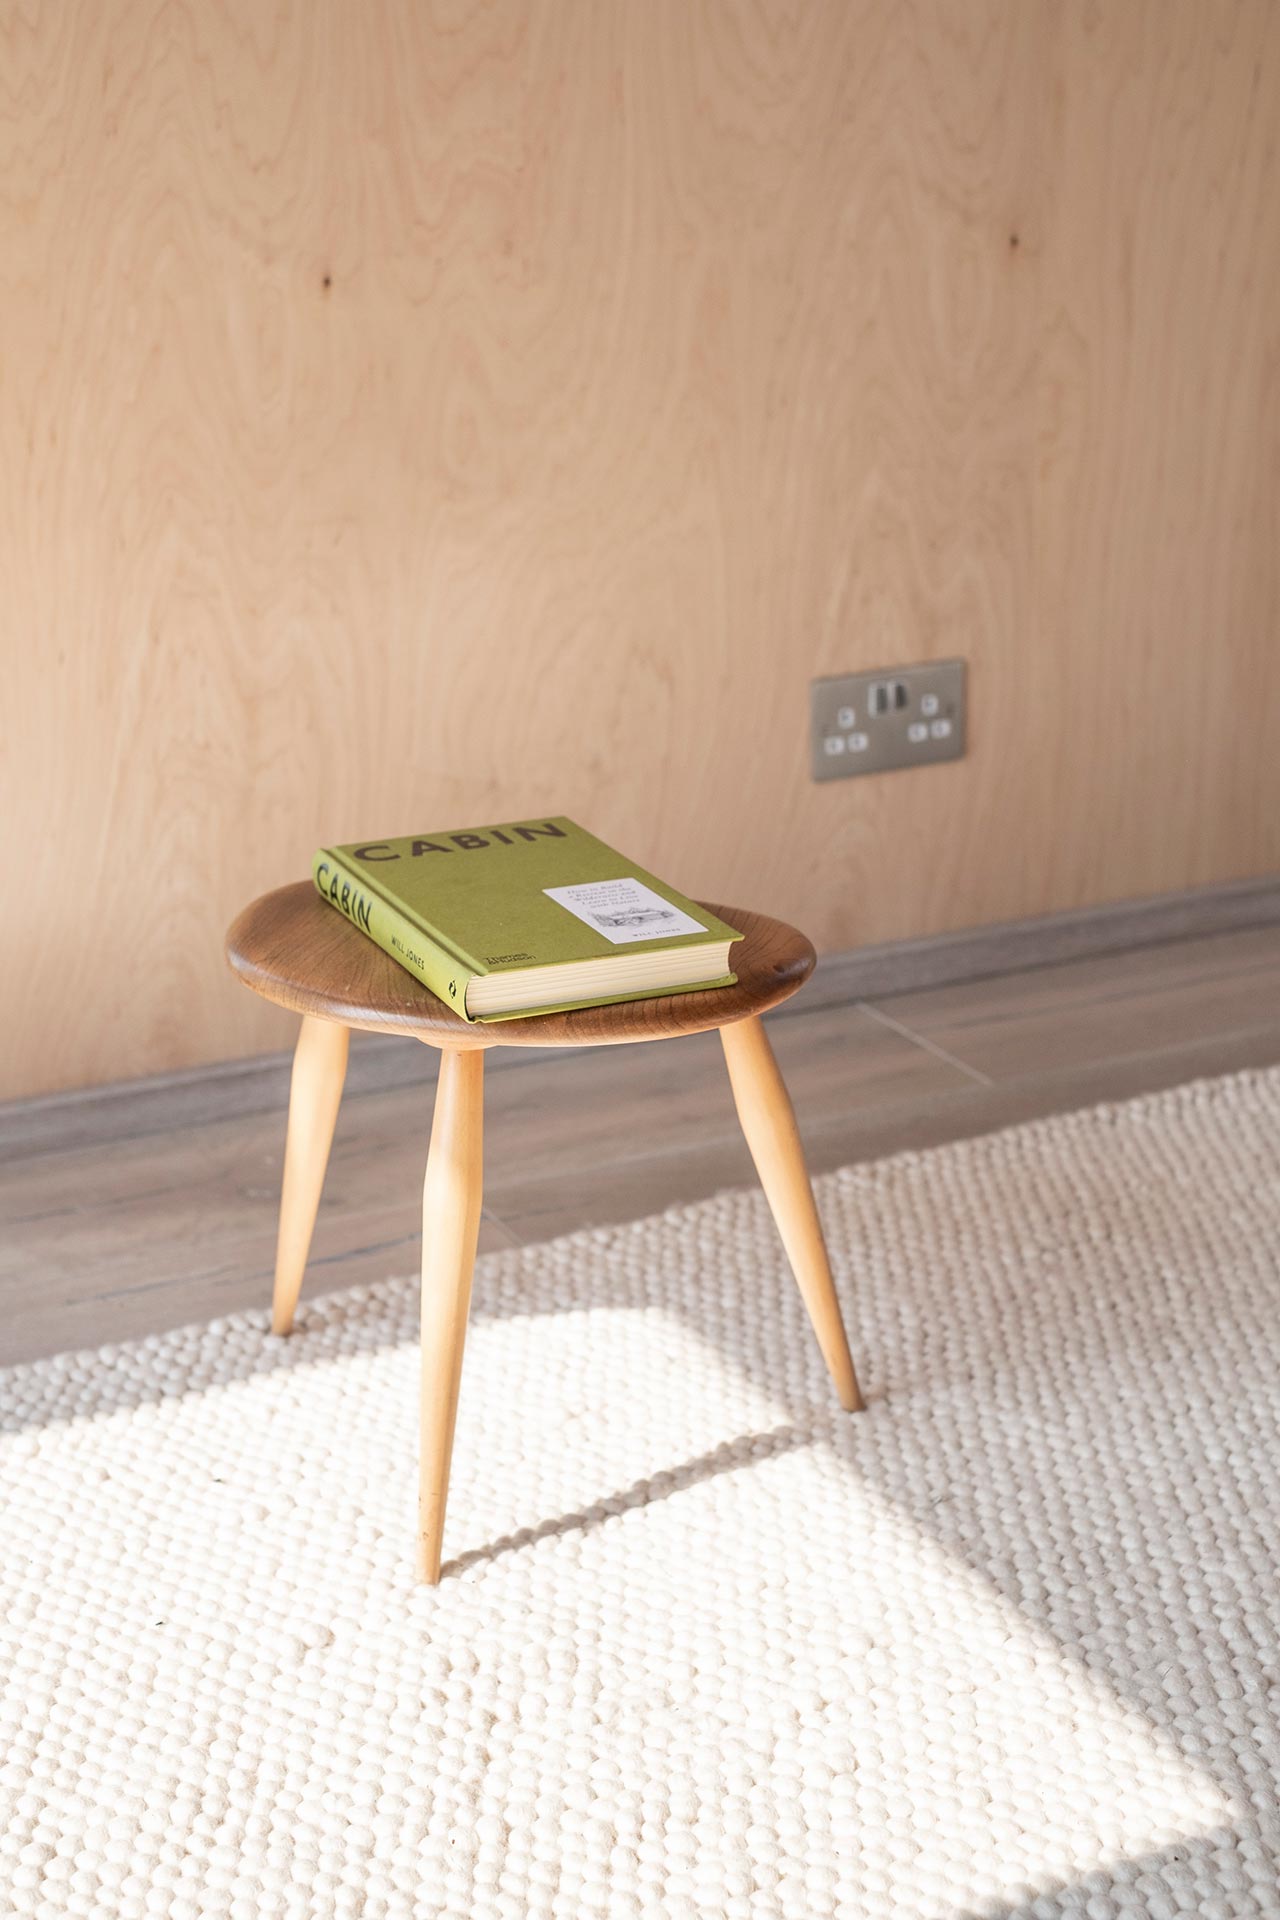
<point x="533" y="917"/>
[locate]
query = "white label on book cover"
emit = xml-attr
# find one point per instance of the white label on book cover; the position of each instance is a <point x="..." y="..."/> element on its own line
<point x="625" y="910"/>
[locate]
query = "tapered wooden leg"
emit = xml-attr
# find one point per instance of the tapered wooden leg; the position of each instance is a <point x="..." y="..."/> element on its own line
<point x="769" y="1123"/>
<point x="451" y="1196"/>
<point x="319" y="1069"/>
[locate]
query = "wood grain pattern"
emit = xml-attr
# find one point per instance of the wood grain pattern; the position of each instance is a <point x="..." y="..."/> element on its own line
<point x="432" y="415"/>
<point x="296" y="951"/>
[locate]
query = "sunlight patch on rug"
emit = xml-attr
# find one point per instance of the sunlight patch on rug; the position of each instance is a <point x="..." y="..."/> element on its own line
<point x="1007" y="1643"/>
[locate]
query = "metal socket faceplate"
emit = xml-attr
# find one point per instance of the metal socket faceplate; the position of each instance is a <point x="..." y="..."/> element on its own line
<point x="891" y="717"/>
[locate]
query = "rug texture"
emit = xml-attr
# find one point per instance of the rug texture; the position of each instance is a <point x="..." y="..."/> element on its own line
<point x="1007" y="1643"/>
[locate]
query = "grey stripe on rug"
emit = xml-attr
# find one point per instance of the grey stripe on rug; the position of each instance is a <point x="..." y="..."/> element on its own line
<point x="1007" y="1643"/>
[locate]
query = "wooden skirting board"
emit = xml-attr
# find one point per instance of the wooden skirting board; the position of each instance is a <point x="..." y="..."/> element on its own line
<point x="976" y="953"/>
<point x="131" y="1109"/>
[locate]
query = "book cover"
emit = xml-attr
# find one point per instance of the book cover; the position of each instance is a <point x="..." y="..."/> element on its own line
<point x="457" y="906"/>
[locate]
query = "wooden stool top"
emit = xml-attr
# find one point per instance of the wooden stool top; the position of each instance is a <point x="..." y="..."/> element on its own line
<point x="294" y="949"/>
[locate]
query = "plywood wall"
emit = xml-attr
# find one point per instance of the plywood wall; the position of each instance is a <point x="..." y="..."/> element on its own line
<point x="417" y="415"/>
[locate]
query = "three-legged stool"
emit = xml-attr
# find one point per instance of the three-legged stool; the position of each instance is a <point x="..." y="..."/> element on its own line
<point x="296" y="950"/>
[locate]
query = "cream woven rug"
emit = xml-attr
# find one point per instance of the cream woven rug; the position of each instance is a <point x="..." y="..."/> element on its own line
<point x="1009" y="1643"/>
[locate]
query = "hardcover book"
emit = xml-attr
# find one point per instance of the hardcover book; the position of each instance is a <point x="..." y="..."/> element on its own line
<point x="533" y="917"/>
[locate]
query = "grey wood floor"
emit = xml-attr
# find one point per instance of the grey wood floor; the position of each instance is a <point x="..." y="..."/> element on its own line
<point x="125" y="1214"/>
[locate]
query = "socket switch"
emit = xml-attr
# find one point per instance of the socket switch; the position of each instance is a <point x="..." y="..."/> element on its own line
<point x="893" y="717"/>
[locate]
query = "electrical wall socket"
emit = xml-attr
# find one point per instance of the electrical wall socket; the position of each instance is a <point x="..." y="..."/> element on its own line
<point x="894" y="717"/>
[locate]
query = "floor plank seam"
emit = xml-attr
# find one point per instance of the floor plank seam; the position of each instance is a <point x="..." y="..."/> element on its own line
<point x="921" y="1040"/>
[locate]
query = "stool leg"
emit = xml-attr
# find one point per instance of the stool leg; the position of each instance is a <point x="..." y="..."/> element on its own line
<point x="451" y="1195"/>
<point x="319" y="1069"/>
<point x="769" y="1123"/>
